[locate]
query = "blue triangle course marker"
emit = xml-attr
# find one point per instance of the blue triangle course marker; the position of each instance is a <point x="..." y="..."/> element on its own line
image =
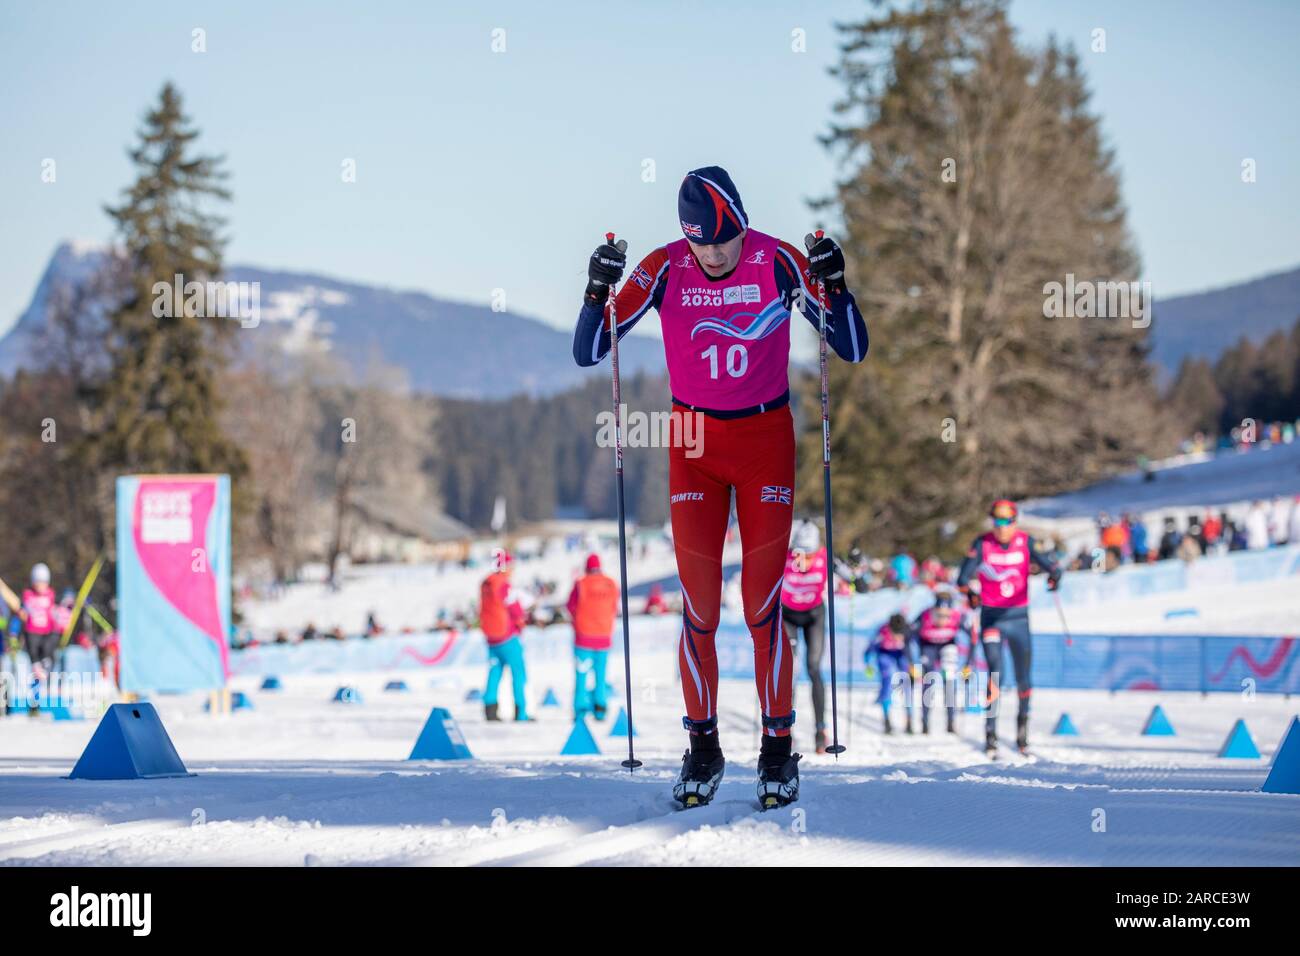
<point x="473" y="695"/>
<point x="1065" y="727"/>
<point x="440" y="739"/>
<point x="130" y="743"/>
<point x="1158" y="724"/>
<point x="620" y="725"/>
<point x="347" y="695"/>
<point x="272" y="683"/>
<point x="580" y="742"/>
<point x="1284" y="774"/>
<point x="398" y="685"/>
<point x="551" y="700"/>
<point x="1239" y="743"/>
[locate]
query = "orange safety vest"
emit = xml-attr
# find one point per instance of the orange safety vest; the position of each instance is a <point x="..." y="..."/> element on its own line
<point x="595" y="607"/>
<point x="494" y="613"/>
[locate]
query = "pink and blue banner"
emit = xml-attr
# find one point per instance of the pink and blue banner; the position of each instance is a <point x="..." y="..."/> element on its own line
<point x="173" y="581"/>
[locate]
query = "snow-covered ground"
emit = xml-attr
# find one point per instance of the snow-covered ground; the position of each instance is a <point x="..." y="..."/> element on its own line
<point x="302" y="780"/>
<point x="1268" y="608"/>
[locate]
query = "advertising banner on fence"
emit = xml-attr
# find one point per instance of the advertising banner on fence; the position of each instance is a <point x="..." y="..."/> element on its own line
<point x="173" y="581"/>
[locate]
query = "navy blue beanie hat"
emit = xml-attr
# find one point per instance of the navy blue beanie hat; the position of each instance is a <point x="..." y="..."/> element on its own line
<point x="709" y="206"/>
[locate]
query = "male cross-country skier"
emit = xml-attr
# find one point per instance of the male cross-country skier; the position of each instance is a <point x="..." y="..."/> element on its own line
<point x="1000" y="559"/>
<point x="803" y="610"/>
<point x="501" y="618"/>
<point x="724" y="293"/>
<point x="893" y="656"/>
<point x="592" y="606"/>
<point x="937" y="630"/>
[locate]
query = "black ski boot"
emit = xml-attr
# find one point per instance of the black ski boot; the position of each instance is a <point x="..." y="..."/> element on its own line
<point x="991" y="741"/>
<point x="952" y="720"/>
<point x="925" y="721"/>
<point x="1022" y="733"/>
<point x="598" y="712"/>
<point x="820" y="741"/>
<point x="778" y="774"/>
<point x="702" y="771"/>
<point x="524" y="718"/>
<point x="889" y="728"/>
<point x="492" y="712"/>
<point x="908" y="728"/>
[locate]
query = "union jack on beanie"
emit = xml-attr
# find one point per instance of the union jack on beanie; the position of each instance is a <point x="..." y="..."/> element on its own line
<point x="709" y="206"/>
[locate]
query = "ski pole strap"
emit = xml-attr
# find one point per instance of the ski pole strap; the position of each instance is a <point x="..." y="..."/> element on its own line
<point x="781" y="401"/>
<point x="709" y="726"/>
<point x="778" y="723"/>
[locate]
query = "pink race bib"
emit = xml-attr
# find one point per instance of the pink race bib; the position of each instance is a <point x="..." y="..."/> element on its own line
<point x="1004" y="573"/>
<point x="727" y="342"/>
<point x="804" y="585"/>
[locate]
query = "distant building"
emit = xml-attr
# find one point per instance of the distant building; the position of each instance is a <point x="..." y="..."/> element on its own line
<point x="391" y="528"/>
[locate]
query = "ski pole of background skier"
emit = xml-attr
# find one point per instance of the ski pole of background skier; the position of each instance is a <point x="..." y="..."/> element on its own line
<point x="853" y="667"/>
<point x="86" y="585"/>
<point x="836" y="747"/>
<point x="631" y="762"/>
<point x="1060" y="612"/>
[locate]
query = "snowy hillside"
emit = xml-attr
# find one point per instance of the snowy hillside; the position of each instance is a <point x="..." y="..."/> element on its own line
<point x="1202" y="481"/>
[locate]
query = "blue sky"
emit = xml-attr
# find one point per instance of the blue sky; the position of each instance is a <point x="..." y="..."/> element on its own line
<point x="479" y="170"/>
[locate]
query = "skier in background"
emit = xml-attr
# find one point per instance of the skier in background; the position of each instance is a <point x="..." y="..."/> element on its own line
<point x="655" y="603"/>
<point x="501" y="618"/>
<point x="724" y="294"/>
<point x="592" y="605"/>
<point x="891" y="655"/>
<point x="803" y="610"/>
<point x="1001" y="559"/>
<point x="61" y="613"/>
<point x="937" y="631"/>
<point x="40" y="637"/>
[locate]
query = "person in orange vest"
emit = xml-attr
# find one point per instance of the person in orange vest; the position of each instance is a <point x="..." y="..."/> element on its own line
<point x="501" y="617"/>
<point x="593" y="605"/>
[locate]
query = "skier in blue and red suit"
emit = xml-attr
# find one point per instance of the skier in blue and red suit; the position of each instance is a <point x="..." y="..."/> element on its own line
<point x="1001" y="560"/>
<point x="724" y="293"/>
<point x="892" y="654"/>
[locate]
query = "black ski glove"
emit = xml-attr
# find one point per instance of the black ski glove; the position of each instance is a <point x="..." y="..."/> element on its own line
<point x="825" y="260"/>
<point x="605" y="268"/>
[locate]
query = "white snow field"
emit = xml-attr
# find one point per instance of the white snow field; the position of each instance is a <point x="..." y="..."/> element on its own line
<point x="300" y="780"/>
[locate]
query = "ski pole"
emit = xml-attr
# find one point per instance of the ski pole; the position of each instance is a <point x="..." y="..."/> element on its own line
<point x="82" y="592"/>
<point x="853" y="593"/>
<point x="1060" y="611"/>
<point x="836" y="747"/>
<point x="631" y="763"/>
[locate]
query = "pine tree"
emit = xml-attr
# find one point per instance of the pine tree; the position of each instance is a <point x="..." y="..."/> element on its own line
<point x="159" y="403"/>
<point x="1194" y="398"/>
<point x="976" y="176"/>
